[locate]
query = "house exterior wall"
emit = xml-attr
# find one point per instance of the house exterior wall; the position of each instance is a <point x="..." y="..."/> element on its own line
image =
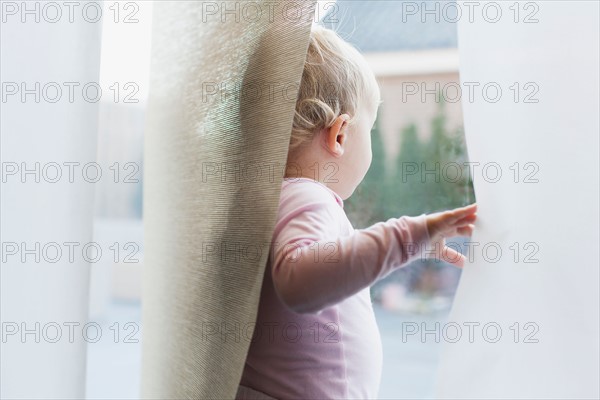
<point x="402" y="107"/>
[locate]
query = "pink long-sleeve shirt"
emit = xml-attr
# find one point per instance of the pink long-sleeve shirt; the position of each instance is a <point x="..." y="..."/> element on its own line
<point x="316" y="336"/>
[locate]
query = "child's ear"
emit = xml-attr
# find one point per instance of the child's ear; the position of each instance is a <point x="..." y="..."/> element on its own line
<point x="335" y="137"/>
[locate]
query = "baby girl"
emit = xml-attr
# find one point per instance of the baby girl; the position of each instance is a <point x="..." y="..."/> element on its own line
<point x="316" y="336"/>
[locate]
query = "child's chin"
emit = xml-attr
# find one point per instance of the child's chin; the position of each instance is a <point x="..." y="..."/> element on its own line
<point x="346" y="194"/>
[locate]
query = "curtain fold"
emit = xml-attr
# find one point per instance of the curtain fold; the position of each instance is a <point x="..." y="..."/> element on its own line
<point x="224" y="79"/>
<point x="49" y="116"/>
<point x="527" y="305"/>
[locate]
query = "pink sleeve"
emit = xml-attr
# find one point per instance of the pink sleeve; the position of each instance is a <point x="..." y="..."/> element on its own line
<point x="314" y="267"/>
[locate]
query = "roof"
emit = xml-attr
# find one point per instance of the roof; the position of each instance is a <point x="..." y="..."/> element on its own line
<point x="377" y="26"/>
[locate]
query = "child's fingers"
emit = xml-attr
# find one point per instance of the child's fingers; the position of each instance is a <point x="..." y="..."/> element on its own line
<point x="459" y="213"/>
<point x="471" y="208"/>
<point x="453" y="257"/>
<point x="466" y="220"/>
<point x="466" y="210"/>
<point x="466" y="230"/>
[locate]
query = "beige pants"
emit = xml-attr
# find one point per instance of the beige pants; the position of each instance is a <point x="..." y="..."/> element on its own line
<point x="247" y="393"/>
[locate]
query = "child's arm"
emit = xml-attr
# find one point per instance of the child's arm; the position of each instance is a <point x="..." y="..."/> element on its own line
<point x="317" y="268"/>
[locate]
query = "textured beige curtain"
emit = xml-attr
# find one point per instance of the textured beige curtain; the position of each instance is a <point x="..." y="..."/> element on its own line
<point x="224" y="80"/>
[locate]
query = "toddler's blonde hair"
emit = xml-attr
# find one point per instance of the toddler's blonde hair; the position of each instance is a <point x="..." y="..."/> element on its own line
<point x="336" y="80"/>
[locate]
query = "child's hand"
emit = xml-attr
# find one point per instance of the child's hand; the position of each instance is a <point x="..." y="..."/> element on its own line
<point x="457" y="222"/>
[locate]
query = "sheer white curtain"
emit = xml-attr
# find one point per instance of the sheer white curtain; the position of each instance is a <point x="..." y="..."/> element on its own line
<point x="539" y="297"/>
<point x="50" y="75"/>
